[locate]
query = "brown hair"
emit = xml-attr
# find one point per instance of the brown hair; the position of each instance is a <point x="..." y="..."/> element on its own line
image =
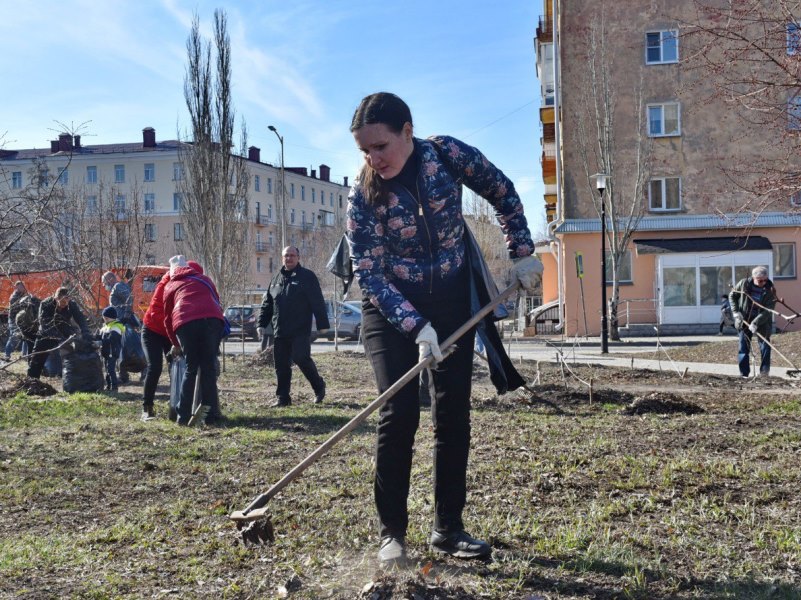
<point x="61" y="292"/>
<point x="379" y="108"/>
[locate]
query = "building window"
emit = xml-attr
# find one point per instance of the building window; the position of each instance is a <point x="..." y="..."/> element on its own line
<point x="119" y="173"/>
<point x="303" y="193"/>
<point x="270" y="239"/>
<point x="269" y="185"/>
<point x="150" y="172"/>
<point x="178" y="232"/>
<point x="624" y="270"/>
<point x="784" y="260"/>
<point x="91" y="204"/>
<point x="292" y="190"/>
<point x="292" y="216"/>
<point x="177" y="171"/>
<point x="64" y="177"/>
<point x="794" y="113"/>
<point x="303" y="217"/>
<point x="258" y="264"/>
<point x="271" y="264"/>
<point x="314" y="196"/>
<point x="340" y="201"/>
<point x="663" y="119"/>
<point x="793" y="39"/>
<point x="177" y="202"/>
<point x="257" y="183"/>
<point x="91" y="174"/>
<point x="119" y="206"/>
<point x="150" y="202"/>
<point x="16" y="180"/>
<point x="150" y="232"/>
<point x="664" y="193"/>
<point x="662" y="47"/>
<point x="331" y="199"/>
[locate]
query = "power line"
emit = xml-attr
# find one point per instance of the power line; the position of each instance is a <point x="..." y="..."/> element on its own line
<point x="509" y="114"/>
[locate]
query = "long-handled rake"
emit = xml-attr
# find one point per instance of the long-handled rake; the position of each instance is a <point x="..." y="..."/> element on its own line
<point x="795" y="372"/>
<point x="254" y="521"/>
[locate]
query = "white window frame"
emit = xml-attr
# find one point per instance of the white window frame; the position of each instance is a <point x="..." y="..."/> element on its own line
<point x="256" y="183"/>
<point x="151" y="233"/>
<point x="91" y="204"/>
<point x="150" y="202"/>
<point x="64" y="176"/>
<point x="664" y="34"/>
<point x="177" y="171"/>
<point x="663" y="191"/>
<point x="609" y="273"/>
<point x="662" y="106"/>
<point x="303" y="193"/>
<point x="119" y="173"/>
<point x="177" y="201"/>
<point x="177" y="232"/>
<point x="258" y="264"/>
<point x="91" y="174"/>
<point x="291" y="190"/>
<point x="150" y="172"/>
<point x="777" y="262"/>
<point x="269" y="185"/>
<point x="795" y="199"/>
<point x="16" y="180"/>
<point x="292" y="217"/>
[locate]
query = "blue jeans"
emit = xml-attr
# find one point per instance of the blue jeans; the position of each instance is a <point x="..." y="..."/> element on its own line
<point x="745" y="351"/>
<point x="14" y="338"/>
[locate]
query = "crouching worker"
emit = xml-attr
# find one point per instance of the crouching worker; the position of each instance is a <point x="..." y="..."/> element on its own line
<point x="55" y="314"/>
<point x="111" y="345"/>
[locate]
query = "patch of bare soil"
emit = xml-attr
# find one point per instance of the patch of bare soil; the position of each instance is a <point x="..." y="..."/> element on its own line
<point x="33" y="387"/>
<point x="662" y="403"/>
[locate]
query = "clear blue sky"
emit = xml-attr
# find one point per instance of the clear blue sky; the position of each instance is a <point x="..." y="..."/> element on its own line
<point x="465" y="67"/>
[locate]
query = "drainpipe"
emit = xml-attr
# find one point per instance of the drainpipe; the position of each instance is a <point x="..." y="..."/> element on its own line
<point x="557" y="143"/>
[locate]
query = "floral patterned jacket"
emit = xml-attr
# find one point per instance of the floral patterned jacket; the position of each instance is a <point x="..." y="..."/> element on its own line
<point x="404" y="248"/>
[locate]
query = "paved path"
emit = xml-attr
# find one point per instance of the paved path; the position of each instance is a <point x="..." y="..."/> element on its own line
<point x="586" y="351"/>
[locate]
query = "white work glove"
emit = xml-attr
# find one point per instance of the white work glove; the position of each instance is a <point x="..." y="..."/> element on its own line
<point x="175" y="351"/>
<point x="527" y="271"/>
<point x="260" y="332"/>
<point x="428" y="343"/>
<point x="753" y="327"/>
<point x="738" y="321"/>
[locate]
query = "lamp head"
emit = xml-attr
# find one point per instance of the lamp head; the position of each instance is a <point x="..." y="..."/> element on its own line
<point x="600" y="181"/>
<point x="271" y="128"/>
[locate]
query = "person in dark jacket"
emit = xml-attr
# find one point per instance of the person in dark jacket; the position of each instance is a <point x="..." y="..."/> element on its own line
<point x="111" y="345"/>
<point x="752" y="299"/>
<point x="293" y="297"/>
<point x="55" y="314"/>
<point x="726" y="315"/>
<point x="408" y="245"/>
<point x="194" y="322"/>
<point x="14" y="334"/>
<point x="156" y="344"/>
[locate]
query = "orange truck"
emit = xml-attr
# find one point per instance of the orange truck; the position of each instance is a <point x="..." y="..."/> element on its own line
<point x="44" y="283"/>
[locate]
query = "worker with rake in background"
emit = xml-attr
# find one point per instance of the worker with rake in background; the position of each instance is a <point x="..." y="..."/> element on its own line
<point x="752" y="300"/>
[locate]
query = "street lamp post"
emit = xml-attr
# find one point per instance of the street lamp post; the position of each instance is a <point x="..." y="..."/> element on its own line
<point x="283" y="187"/>
<point x="600" y="183"/>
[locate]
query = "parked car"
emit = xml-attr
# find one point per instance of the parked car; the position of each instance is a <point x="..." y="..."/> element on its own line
<point x="243" y="317"/>
<point x="348" y="321"/>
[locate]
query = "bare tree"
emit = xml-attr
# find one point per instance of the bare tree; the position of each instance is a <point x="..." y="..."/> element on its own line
<point x="214" y="185"/>
<point x="480" y="217"/>
<point x="749" y="53"/>
<point x="598" y="147"/>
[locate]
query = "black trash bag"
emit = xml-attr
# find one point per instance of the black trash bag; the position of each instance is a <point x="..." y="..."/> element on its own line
<point x="177" y="369"/>
<point x="133" y="358"/>
<point x="82" y="369"/>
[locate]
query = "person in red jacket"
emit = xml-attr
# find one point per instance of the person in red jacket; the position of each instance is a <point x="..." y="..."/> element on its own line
<point x="194" y="322"/>
<point x="156" y="344"/>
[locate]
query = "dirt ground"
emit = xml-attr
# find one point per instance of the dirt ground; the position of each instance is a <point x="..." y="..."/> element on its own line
<point x="592" y="483"/>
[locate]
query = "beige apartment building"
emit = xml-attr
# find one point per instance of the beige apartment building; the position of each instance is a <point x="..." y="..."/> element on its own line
<point x="676" y="150"/>
<point x="147" y="173"/>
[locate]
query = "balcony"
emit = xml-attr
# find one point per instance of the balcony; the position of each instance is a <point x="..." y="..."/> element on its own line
<point x="547" y="115"/>
<point x="261" y="220"/>
<point x="548" y="162"/>
<point x="544" y="30"/>
<point x="261" y="246"/>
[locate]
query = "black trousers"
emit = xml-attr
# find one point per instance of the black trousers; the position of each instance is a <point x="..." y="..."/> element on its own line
<point x="392" y="354"/>
<point x="37" y="362"/>
<point x="156" y="347"/>
<point x="200" y="340"/>
<point x="288" y="350"/>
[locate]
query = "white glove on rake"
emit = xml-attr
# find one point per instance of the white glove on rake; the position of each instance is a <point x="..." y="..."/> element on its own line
<point x="428" y="343"/>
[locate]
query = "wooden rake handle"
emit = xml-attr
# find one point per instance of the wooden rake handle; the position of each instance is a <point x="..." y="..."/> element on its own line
<point x="255" y="509"/>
